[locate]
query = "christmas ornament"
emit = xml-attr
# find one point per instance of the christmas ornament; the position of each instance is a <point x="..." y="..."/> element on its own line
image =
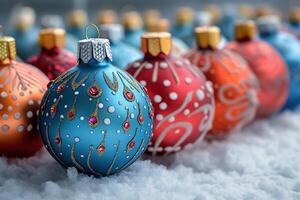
<point x="53" y="60"/>
<point x="233" y="82"/>
<point x="288" y="46"/>
<point x="150" y="17"/>
<point x="246" y="12"/>
<point x="107" y="17"/>
<point x="123" y="53"/>
<point x="227" y="23"/>
<point x="96" y="117"/>
<point x="162" y="25"/>
<point x="182" y="98"/>
<point x="25" y="31"/>
<point x="133" y="25"/>
<point x="184" y="26"/>
<point x="267" y="65"/>
<point x="77" y="22"/>
<point x="56" y="21"/>
<point x="21" y="90"/>
<point x="294" y="19"/>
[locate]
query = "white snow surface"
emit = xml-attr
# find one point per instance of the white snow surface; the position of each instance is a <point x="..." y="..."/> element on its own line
<point x="260" y="162"/>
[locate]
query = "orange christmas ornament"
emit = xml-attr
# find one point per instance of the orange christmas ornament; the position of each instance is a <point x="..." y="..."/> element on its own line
<point x="233" y="82"/>
<point x="21" y="89"/>
<point x="268" y="66"/>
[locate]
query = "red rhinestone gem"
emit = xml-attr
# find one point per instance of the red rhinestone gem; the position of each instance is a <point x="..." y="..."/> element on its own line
<point x="141" y="118"/>
<point x="94" y="91"/>
<point x="60" y="88"/>
<point x="131" y="144"/>
<point x="53" y="109"/>
<point x="126" y="125"/>
<point x="129" y="95"/>
<point x="57" y="140"/>
<point x="101" y="148"/>
<point x="71" y="114"/>
<point x="151" y="114"/>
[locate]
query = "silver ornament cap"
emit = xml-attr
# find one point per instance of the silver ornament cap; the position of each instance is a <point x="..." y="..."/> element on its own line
<point x="268" y="24"/>
<point x="113" y="32"/>
<point x="94" y="48"/>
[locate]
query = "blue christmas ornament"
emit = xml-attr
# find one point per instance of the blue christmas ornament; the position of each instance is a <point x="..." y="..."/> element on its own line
<point x="77" y="22"/>
<point x="25" y="32"/>
<point x="289" y="48"/>
<point x="133" y="24"/>
<point x="123" y="53"/>
<point x="96" y="117"/>
<point x="227" y="23"/>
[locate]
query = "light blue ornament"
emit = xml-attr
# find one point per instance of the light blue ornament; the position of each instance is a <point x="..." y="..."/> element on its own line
<point x="133" y="37"/>
<point x="26" y="41"/>
<point x="123" y="53"/>
<point x="227" y="24"/>
<point x="96" y="117"/>
<point x="184" y="32"/>
<point x="289" y="48"/>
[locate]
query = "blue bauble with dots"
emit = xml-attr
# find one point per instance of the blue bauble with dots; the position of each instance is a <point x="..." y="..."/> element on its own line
<point x="289" y="48"/>
<point x="96" y="117"/>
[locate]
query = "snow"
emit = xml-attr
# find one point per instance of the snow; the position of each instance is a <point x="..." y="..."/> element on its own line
<point x="260" y="162"/>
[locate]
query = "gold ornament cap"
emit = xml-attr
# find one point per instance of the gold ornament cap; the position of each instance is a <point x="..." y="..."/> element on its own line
<point x="294" y="15"/>
<point x="51" y="38"/>
<point x="7" y="48"/>
<point x="245" y="30"/>
<point x="246" y="11"/>
<point x="207" y="37"/>
<point x="150" y="17"/>
<point x="107" y="17"/>
<point x="156" y="43"/>
<point x="184" y="15"/>
<point x="263" y="11"/>
<point x="78" y="18"/>
<point x="215" y="12"/>
<point x="132" y="20"/>
<point x="160" y="25"/>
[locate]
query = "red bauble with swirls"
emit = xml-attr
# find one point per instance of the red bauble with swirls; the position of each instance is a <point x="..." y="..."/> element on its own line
<point x="234" y="86"/>
<point x="270" y="70"/>
<point x="53" y="62"/>
<point x="182" y="99"/>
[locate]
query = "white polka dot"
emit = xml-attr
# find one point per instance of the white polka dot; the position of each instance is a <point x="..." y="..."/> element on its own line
<point x="106" y="121"/>
<point x="76" y="139"/>
<point x="82" y="118"/>
<point x="136" y="64"/>
<point x="118" y="131"/>
<point x="5" y="128"/>
<point x="61" y="116"/>
<point x="17" y="115"/>
<point x="5" y="116"/>
<point x="30" y="102"/>
<point x="29" y="114"/>
<point x="186" y="112"/>
<point x="163" y="106"/>
<point x="148" y="66"/>
<point x="163" y="65"/>
<point x="173" y="95"/>
<point x="66" y="106"/>
<point x="167" y="83"/>
<point x="29" y="127"/>
<point x="111" y="109"/>
<point x="3" y="94"/>
<point x="157" y="98"/>
<point x="200" y="95"/>
<point x="188" y="80"/>
<point x="171" y="119"/>
<point x="144" y="83"/>
<point x="10" y="108"/>
<point x="76" y="92"/>
<point x="209" y="86"/>
<point x="131" y="115"/>
<point x="196" y="104"/>
<point x="159" y="117"/>
<point x="177" y="131"/>
<point x="1" y="106"/>
<point x="20" y="128"/>
<point x="100" y="105"/>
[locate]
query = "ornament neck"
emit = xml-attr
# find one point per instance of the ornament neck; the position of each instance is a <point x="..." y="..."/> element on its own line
<point x="94" y="63"/>
<point x="53" y="51"/>
<point x="148" y="56"/>
<point x="209" y="48"/>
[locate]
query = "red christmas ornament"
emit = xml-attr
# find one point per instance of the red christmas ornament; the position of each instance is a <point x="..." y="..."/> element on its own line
<point x="181" y="96"/>
<point x="53" y="59"/>
<point x="268" y="66"/>
<point x="233" y="82"/>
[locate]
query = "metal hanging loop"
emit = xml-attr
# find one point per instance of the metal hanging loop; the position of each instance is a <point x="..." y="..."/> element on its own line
<point x="91" y="25"/>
